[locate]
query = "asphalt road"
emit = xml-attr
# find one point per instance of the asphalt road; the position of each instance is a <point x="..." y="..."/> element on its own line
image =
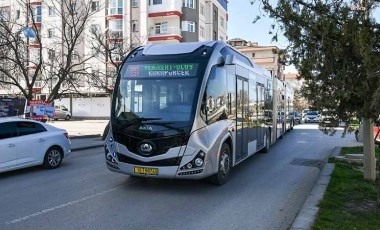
<point x="264" y="192"/>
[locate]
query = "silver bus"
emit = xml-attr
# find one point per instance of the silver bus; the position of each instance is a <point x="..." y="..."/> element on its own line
<point x="189" y="111"/>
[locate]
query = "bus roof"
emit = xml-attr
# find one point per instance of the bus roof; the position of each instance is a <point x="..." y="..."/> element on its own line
<point x="178" y="48"/>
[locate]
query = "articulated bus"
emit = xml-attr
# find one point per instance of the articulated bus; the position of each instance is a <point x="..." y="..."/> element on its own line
<point x="191" y="111"/>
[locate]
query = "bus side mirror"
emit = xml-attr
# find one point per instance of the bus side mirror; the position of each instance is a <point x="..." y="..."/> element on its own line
<point x="220" y="62"/>
<point x="230" y="59"/>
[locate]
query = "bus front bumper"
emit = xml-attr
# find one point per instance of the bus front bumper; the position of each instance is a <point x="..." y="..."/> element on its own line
<point x="169" y="172"/>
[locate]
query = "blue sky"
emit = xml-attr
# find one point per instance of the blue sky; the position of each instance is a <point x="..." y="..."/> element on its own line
<point x="240" y="16"/>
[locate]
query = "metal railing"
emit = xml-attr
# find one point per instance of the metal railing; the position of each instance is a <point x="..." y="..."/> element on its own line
<point x="164" y="31"/>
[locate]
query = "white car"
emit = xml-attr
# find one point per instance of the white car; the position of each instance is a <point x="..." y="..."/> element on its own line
<point x="61" y="112"/>
<point x="25" y="143"/>
<point x="312" y="116"/>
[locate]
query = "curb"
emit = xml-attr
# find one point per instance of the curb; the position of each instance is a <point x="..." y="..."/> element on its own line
<point x="308" y="213"/>
<point x="85" y="136"/>
<point x="86" y="147"/>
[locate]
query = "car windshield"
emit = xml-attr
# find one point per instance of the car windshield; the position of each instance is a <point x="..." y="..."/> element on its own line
<point x="312" y="113"/>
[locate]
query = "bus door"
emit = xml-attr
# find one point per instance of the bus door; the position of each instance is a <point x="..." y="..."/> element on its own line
<point x="263" y="115"/>
<point x="242" y="118"/>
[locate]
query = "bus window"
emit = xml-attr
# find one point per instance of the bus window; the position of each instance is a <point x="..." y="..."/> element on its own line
<point x="215" y="97"/>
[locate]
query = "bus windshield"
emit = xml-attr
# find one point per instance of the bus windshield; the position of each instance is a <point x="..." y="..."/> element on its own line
<point x="158" y="95"/>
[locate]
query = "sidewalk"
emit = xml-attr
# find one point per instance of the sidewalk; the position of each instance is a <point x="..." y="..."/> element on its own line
<point x="79" y="144"/>
<point x="83" y="134"/>
<point x="81" y="128"/>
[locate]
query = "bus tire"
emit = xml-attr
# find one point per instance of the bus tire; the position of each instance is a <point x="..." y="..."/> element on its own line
<point x="224" y="166"/>
<point x="267" y="143"/>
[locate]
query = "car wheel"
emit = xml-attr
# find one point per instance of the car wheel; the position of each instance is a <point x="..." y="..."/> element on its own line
<point x="67" y="117"/>
<point x="224" y="166"/>
<point x="53" y="158"/>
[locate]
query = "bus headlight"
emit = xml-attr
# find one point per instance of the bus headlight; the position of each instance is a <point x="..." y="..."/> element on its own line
<point x="198" y="162"/>
<point x="109" y="156"/>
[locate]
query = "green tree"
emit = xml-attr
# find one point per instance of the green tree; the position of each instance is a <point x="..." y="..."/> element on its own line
<point x="335" y="48"/>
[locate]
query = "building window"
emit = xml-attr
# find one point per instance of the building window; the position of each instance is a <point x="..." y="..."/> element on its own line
<point x="17" y="14"/>
<point x="115" y="7"/>
<point x="135" y="3"/>
<point x="73" y="8"/>
<point x="116" y="25"/>
<point x="214" y="36"/>
<point x="155" y="2"/>
<point x="94" y="6"/>
<point x="188" y="26"/>
<point x="253" y="55"/>
<point x="202" y="9"/>
<point x="161" y="28"/>
<point x="189" y="3"/>
<point x="4" y="14"/>
<point x="95" y="28"/>
<point x="51" y="11"/>
<point x="222" y="22"/>
<point x="50" y="33"/>
<point x="51" y="54"/>
<point x="37" y="14"/>
<point x="202" y="31"/>
<point x="134" y="26"/>
<point x="215" y="14"/>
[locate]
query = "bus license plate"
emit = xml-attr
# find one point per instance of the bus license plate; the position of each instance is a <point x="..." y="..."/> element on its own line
<point x="145" y="171"/>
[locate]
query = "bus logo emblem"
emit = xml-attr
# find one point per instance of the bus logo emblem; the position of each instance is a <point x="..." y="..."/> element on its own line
<point x="146" y="148"/>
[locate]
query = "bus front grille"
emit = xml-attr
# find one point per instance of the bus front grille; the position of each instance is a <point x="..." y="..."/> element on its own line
<point x="175" y="161"/>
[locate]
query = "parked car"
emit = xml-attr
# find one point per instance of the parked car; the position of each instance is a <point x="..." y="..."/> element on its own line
<point x="327" y="118"/>
<point x="61" y="112"/>
<point x="297" y="117"/>
<point x="311" y="116"/>
<point x="304" y="112"/>
<point x="25" y="143"/>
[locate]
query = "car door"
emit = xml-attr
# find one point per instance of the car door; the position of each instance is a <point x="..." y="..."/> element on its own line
<point x="33" y="146"/>
<point x="8" y="153"/>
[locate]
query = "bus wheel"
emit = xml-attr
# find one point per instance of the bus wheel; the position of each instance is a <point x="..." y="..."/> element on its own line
<point x="224" y="167"/>
<point x="267" y="143"/>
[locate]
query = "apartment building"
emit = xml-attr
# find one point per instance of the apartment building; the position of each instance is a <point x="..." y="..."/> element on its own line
<point x="268" y="57"/>
<point x="128" y="23"/>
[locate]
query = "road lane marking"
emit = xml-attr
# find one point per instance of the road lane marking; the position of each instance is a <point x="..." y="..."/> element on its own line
<point x="45" y="211"/>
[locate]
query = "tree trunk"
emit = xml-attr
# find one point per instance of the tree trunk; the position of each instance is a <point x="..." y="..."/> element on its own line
<point x="368" y="150"/>
<point x="378" y="179"/>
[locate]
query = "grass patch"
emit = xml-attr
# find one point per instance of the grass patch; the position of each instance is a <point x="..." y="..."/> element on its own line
<point x="349" y="201"/>
<point x="357" y="150"/>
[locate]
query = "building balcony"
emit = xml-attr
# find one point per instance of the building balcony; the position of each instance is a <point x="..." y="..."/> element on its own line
<point x="35" y="3"/>
<point x="33" y="44"/>
<point x="114" y="17"/>
<point x="165" y="34"/>
<point x="168" y="8"/>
